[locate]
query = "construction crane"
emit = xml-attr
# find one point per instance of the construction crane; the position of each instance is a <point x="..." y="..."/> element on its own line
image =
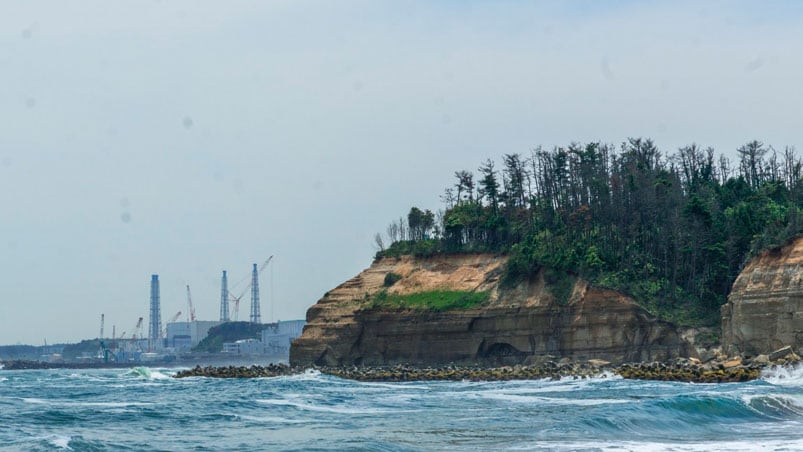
<point x="137" y="329"/>
<point x="172" y="319"/>
<point x="104" y="353"/>
<point x="236" y="300"/>
<point x="191" y="314"/>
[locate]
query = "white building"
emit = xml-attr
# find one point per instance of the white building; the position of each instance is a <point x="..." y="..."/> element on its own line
<point x="185" y="335"/>
<point x="244" y="347"/>
<point x="277" y="336"/>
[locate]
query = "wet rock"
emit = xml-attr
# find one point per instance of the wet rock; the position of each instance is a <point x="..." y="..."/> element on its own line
<point x="732" y="363"/>
<point x="762" y="360"/>
<point x="782" y="352"/>
<point x="715" y="372"/>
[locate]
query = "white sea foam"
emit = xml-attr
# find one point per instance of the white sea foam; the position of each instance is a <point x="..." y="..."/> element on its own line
<point x="147" y="373"/>
<point x="737" y="446"/>
<point x="540" y="400"/>
<point x="396" y="386"/>
<point x="307" y="375"/>
<point x="339" y="409"/>
<point x="57" y="402"/>
<point x="157" y="375"/>
<point x="62" y="442"/>
<point x="273" y="419"/>
<point x="783" y="376"/>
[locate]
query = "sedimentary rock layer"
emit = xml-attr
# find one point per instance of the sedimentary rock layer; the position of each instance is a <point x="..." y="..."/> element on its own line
<point x="521" y="324"/>
<point x="765" y="307"/>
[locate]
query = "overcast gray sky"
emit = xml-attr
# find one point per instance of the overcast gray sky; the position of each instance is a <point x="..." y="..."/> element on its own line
<point x="186" y="137"/>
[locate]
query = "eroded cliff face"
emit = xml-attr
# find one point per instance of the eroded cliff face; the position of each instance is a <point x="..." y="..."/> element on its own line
<point x="765" y="307"/>
<point x="522" y="324"/>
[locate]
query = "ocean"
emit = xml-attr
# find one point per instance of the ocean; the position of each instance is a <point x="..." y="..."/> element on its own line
<point x="146" y="409"/>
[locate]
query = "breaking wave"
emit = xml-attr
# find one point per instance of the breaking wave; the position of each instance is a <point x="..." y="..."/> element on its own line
<point x="784" y="376"/>
<point x="147" y="373"/>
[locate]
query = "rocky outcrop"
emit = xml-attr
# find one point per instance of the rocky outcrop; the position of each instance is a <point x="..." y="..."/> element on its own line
<point x="764" y="311"/>
<point x="522" y="324"/>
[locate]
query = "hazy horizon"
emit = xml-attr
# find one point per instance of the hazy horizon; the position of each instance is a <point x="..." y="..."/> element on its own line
<point x="184" y="138"/>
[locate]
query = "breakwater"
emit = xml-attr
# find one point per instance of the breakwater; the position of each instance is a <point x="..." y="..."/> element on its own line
<point x="254" y="371"/>
<point x="679" y="370"/>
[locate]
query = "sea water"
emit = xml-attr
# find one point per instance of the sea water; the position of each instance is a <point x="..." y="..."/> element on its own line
<point x="146" y="409"/>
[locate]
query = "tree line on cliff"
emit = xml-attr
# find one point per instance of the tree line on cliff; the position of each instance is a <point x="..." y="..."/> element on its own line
<point x="673" y="230"/>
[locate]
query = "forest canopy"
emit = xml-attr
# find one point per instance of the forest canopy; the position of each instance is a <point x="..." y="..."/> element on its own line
<point x="672" y="230"/>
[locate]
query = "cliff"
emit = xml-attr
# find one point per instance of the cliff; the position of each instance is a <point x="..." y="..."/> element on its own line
<point x="521" y="324"/>
<point x="765" y="307"/>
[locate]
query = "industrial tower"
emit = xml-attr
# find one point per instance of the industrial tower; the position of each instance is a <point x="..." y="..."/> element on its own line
<point x="155" y="326"/>
<point x="255" y="316"/>
<point x="224" y="299"/>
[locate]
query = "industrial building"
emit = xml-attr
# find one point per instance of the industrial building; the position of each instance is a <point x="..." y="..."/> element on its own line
<point x="275" y="341"/>
<point x="276" y="338"/>
<point x="244" y="347"/>
<point x="183" y="336"/>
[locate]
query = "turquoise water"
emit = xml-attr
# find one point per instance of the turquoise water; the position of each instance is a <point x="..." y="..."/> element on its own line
<point x="145" y="409"/>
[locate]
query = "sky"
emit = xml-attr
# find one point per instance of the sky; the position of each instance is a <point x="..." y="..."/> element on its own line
<point x="182" y="138"/>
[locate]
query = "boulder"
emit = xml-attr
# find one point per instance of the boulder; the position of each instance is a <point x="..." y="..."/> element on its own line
<point x="761" y="360"/>
<point x="782" y="352"/>
<point x="599" y="362"/>
<point x="732" y="363"/>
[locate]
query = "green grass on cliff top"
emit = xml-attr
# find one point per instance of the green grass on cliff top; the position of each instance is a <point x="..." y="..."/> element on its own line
<point x="437" y="300"/>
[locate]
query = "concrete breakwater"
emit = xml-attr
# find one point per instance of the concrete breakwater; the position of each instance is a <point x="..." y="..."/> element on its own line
<point x="254" y="371"/>
<point x="679" y="370"/>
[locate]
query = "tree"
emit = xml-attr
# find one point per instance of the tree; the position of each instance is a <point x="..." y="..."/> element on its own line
<point x="414" y="223"/>
<point x="380" y="244"/>
<point x="751" y="162"/>
<point x="515" y="177"/>
<point x="489" y="186"/>
<point x="465" y="186"/>
<point x="671" y="230"/>
<point x="393" y="232"/>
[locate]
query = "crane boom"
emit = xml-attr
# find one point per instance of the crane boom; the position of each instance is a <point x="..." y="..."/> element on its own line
<point x="191" y="314"/>
<point x="175" y="316"/>
<point x="139" y="326"/>
<point x="172" y="319"/>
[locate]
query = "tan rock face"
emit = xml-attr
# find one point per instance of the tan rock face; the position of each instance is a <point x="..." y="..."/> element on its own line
<point x="765" y="307"/>
<point x="517" y="325"/>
